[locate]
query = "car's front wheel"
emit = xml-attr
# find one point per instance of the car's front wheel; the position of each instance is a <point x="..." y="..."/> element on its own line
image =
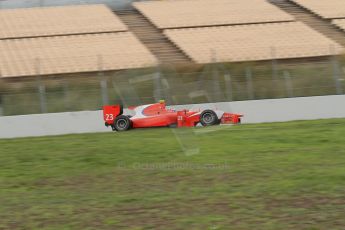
<point x="122" y="123"/>
<point x="208" y="118"/>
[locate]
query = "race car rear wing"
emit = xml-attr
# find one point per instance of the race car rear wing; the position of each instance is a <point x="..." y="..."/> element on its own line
<point x="110" y="112"/>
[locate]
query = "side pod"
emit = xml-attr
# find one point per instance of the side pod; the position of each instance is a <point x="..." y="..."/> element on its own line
<point x="185" y="120"/>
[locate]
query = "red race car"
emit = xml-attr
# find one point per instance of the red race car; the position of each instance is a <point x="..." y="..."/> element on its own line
<point x="158" y="115"/>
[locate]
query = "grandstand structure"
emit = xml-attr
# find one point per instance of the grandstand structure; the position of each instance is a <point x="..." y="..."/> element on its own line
<point x="53" y="21"/>
<point x="75" y="53"/>
<point x="196" y="13"/>
<point x="57" y="40"/>
<point x="320" y="15"/>
<point x="329" y="9"/>
<point x="258" y="42"/>
<point x="340" y="23"/>
<point x="67" y="39"/>
<point x="255" y="30"/>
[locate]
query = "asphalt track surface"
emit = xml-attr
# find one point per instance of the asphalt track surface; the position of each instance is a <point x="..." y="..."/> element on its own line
<point x="255" y="111"/>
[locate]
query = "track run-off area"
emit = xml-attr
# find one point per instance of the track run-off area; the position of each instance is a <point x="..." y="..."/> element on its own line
<point x="254" y="176"/>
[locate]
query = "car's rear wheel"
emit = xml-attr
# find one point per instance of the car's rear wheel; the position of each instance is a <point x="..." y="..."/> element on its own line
<point x="122" y="123"/>
<point x="208" y="118"/>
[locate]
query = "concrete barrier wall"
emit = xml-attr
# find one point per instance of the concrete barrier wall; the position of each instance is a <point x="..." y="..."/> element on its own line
<point x="256" y="111"/>
<point x="287" y="109"/>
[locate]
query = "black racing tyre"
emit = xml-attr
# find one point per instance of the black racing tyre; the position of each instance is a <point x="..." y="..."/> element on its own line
<point x="173" y="125"/>
<point x="208" y="118"/>
<point x="122" y="123"/>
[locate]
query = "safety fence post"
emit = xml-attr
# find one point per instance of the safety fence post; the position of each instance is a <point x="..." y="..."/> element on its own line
<point x="274" y="64"/>
<point x="1" y="99"/>
<point x="157" y="91"/>
<point x="103" y="81"/>
<point x="250" y="91"/>
<point x="228" y="86"/>
<point x="42" y="94"/>
<point x="66" y="95"/>
<point x="216" y="90"/>
<point x="41" y="87"/>
<point x="336" y="71"/>
<point x="1" y="108"/>
<point x="288" y="84"/>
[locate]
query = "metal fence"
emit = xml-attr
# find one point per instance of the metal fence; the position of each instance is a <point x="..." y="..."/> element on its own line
<point x="176" y="84"/>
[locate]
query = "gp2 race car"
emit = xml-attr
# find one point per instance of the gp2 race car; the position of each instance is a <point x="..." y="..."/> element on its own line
<point x="158" y="115"/>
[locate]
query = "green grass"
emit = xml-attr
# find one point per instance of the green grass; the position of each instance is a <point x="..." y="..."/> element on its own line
<point x="267" y="176"/>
